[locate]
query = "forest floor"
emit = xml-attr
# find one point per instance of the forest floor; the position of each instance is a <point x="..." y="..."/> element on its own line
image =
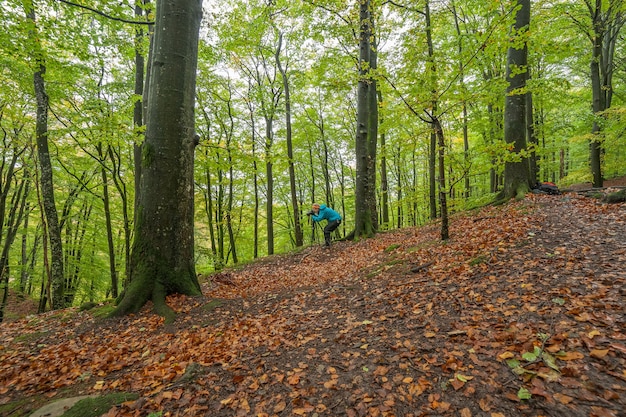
<point x="521" y="313"/>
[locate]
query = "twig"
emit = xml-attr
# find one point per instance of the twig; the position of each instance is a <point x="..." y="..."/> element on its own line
<point x="422" y="267"/>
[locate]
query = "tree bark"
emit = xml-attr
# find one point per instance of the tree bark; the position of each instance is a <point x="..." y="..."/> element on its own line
<point x="365" y="193"/>
<point x="109" y="227"/>
<point x="292" y="173"/>
<point x="163" y="249"/>
<point x="516" y="168"/>
<point x="384" y="183"/>
<point x="432" y="149"/>
<point x="45" y="165"/>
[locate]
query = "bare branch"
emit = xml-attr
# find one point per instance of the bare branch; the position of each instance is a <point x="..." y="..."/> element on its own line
<point x="118" y="19"/>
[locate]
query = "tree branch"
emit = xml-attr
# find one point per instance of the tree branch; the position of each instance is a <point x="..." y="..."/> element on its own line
<point x="118" y="19"/>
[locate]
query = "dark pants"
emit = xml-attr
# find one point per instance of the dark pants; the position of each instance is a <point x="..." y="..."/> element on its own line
<point x="330" y="227"/>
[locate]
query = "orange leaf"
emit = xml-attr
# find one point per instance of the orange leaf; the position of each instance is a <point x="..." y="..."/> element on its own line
<point x="599" y="353"/>
<point x="571" y="356"/>
<point x="562" y="398"/>
<point x="280" y="407"/>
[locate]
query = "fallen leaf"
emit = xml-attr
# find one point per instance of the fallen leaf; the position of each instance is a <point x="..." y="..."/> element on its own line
<point x="599" y="353"/>
<point x="562" y="398"/>
<point x="466" y="412"/>
<point x="570" y="356"/>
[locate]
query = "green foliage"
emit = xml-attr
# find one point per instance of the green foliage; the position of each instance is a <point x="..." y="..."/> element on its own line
<point x="96" y="406"/>
<point x="391" y="248"/>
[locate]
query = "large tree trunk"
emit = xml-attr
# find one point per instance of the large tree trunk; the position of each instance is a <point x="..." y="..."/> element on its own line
<point x="365" y="193"/>
<point x="163" y="249"/>
<point x="45" y="165"/>
<point x="516" y="168"/>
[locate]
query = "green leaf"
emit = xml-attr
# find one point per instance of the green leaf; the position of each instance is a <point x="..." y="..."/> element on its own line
<point x="513" y="363"/>
<point x="529" y="356"/>
<point x="549" y="360"/>
<point x="524" y="394"/>
<point x="558" y="300"/>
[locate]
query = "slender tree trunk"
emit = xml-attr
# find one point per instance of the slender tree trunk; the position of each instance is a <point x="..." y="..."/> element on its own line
<point x="229" y="221"/>
<point x="269" y="177"/>
<point x="45" y="165"/>
<point x="257" y="203"/>
<point x="466" y="155"/>
<point x="384" y="183"/>
<point x="163" y="248"/>
<point x="443" y="201"/>
<point x="120" y="185"/>
<point x="532" y="139"/>
<point x="432" y="155"/>
<point x="24" y="273"/>
<point x="299" y="240"/>
<point x="12" y="224"/>
<point x="109" y="227"/>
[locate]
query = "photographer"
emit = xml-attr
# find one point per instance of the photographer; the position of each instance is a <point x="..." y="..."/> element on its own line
<point x="321" y="212"/>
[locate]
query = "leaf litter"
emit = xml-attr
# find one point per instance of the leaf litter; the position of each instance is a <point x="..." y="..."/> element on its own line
<point x="520" y="313"/>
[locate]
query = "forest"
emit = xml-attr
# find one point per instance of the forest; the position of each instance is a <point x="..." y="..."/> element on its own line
<point x="393" y="113"/>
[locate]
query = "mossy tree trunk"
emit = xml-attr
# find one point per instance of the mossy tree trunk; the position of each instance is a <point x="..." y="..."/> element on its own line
<point x="162" y="256"/>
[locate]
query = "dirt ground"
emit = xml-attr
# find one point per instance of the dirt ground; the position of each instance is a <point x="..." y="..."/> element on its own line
<point x="521" y="313"/>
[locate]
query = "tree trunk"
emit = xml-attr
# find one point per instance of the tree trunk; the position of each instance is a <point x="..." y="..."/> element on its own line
<point x="384" y="183"/>
<point x="138" y="123"/>
<point x="595" y="145"/>
<point x="432" y="149"/>
<point x="269" y="177"/>
<point x="12" y="224"/>
<point x="163" y="248"/>
<point x="443" y="201"/>
<point x="46" y="178"/>
<point x="516" y="168"/>
<point x="532" y="139"/>
<point x="109" y="227"/>
<point x="292" y="173"/>
<point x="365" y="193"/>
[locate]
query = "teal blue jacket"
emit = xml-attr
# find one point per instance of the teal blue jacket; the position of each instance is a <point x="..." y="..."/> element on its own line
<point x="326" y="213"/>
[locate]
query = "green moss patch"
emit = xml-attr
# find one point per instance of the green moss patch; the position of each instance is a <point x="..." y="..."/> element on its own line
<point x="96" y="406"/>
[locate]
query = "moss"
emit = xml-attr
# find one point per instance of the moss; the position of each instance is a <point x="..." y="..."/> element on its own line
<point x="87" y="306"/>
<point x="392" y="247"/>
<point x="15" y="408"/>
<point x="147" y="154"/>
<point x="94" y="407"/>
<point x="102" y="311"/>
<point x="29" y="337"/>
<point x="478" y="260"/>
<point x="395" y="262"/>
<point x="212" y="305"/>
<point x="617" y="197"/>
